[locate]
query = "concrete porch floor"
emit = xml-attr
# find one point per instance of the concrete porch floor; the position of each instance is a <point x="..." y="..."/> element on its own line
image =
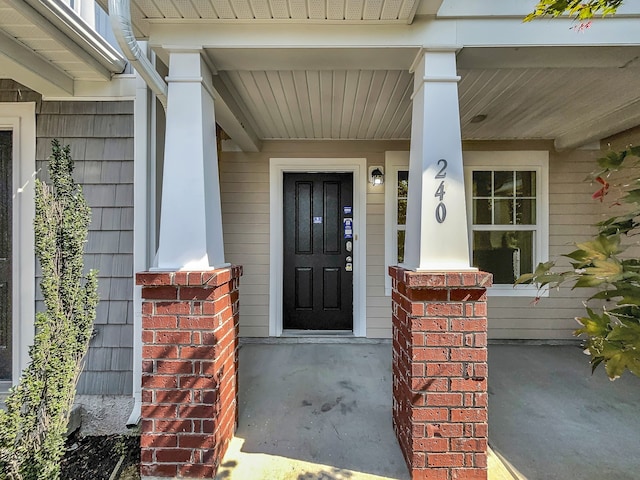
<point x="549" y="418"/>
<point x="322" y="411"/>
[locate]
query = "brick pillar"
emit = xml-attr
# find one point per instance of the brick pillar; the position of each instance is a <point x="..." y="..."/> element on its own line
<point x="440" y="372"/>
<point x="189" y="371"/>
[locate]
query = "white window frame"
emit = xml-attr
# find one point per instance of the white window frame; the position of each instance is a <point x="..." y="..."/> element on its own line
<point x="20" y="118"/>
<point x="537" y="161"/>
<point x="393" y="163"/>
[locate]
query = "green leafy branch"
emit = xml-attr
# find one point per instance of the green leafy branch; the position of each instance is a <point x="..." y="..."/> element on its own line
<point x="579" y="9"/>
<point x="613" y="334"/>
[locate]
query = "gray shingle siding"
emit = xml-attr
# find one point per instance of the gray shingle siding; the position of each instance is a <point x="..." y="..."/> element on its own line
<point x="100" y="135"/>
<point x="101" y="138"/>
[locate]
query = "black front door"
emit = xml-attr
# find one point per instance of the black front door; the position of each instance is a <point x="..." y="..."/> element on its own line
<point x="318" y="251"/>
<point x="5" y="255"/>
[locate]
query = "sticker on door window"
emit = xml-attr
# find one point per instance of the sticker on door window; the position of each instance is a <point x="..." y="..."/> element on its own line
<point x="317" y="219"/>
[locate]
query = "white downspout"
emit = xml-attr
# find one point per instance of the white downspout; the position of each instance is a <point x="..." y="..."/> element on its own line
<point x="142" y="135"/>
<point x="120" y="17"/>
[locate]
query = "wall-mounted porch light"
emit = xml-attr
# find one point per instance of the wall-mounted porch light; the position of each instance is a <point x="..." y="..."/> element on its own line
<point x="376" y="176"/>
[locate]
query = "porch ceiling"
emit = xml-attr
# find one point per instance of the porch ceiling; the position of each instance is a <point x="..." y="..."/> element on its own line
<point x="572" y="95"/>
<point x="342" y="88"/>
<point x="144" y="12"/>
<point x="307" y="80"/>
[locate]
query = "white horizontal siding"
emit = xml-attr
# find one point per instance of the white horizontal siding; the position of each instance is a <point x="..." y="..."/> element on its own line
<point x="378" y="305"/>
<point x="245" y="208"/>
<point x="245" y="196"/>
<point x="245" y="213"/>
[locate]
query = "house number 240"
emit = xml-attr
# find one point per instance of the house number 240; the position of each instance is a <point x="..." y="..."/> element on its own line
<point x="441" y="209"/>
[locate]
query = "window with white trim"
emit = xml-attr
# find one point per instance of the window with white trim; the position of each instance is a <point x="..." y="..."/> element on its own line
<point x="396" y="190"/>
<point x="507" y="211"/>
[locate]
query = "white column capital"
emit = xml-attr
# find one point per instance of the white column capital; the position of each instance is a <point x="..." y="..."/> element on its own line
<point x="436" y="233"/>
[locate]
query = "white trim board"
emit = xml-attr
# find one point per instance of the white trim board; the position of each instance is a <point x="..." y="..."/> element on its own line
<point x="277" y="167"/>
<point x="514" y="160"/>
<point x="393" y="162"/>
<point x="21" y="119"/>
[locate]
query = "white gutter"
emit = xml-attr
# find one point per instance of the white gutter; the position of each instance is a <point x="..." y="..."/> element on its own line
<point x="73" y="33"/>
<point x="120" y="16"/>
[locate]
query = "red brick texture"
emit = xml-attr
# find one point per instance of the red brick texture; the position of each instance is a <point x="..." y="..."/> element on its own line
<point x="440" y="372"/>
<point x="189" y="370"/>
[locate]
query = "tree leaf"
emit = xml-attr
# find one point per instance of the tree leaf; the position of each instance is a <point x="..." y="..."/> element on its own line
<point x="601" y="247"/>
<point x="612" y="160"/>
<point x="580" y="256"/>
<point x="588" y="281"/>
<point x="609" y="269"/>
<point x="627" y="333"/>
<point x="594" y="324"/>
<point x="616" y="364"/>
<point x="632" y="196"/>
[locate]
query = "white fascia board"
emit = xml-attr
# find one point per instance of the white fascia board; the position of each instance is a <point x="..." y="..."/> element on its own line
<point x="30" y="69"/>
<point x="67" y="28"/>
<point x="122" y="87"/>
<point x="301" y="35"/>
<point x="616" y="121"/>
<point x="428" y="7"/>
<point x="428" y="32"/>
<point x="486" y="8"/>
<point x="503" y="32"/>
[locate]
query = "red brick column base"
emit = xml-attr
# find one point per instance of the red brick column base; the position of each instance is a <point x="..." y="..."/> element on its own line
<point x="440" y="372"/>
<point x="189" y="371"/>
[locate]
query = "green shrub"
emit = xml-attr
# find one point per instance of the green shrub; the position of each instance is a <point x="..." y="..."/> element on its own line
<point x="611" y="331"/>
<point x="32" y="430"/>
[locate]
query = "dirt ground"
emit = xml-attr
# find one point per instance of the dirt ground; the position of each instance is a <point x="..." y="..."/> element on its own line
<point x="96" y="458"/>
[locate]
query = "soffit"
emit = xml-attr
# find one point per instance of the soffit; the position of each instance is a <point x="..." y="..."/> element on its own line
<point x="25" y="32"/>
<point x="542" y="103"/>
<point x="296" y="10"/>
<point x="525" y="94"/>
<point x="355" y="91"/>
<point x="144" y="12"/>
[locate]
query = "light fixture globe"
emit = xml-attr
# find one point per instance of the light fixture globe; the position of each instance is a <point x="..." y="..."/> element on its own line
<point x="376" y="176"/>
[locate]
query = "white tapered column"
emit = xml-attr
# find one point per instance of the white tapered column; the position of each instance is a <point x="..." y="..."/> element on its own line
<point x="436" y="235"/>
<point x="191" y="218"/>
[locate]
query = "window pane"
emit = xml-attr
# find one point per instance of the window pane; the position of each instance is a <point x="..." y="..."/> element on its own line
<point x="482" y="212"/>
<point x="402" y="212"/>
<point x="525" y="212"/>
<point x="506" y="254"/>
<point x="503" y="184"/>
<point x="400" y="246"/>
<point x="403" y="183"/>
<point x="503" y="212"/>
<point x="525" y="184"/>
<point x="481" y="184"/>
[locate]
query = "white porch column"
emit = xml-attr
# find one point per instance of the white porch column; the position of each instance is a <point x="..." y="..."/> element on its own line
<point x="436" y="234"/>
<point x="191" y="218"/>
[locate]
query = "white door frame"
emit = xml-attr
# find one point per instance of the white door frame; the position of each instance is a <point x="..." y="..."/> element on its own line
<point x="277" y="168"/>
<point x="20" y="118"/>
